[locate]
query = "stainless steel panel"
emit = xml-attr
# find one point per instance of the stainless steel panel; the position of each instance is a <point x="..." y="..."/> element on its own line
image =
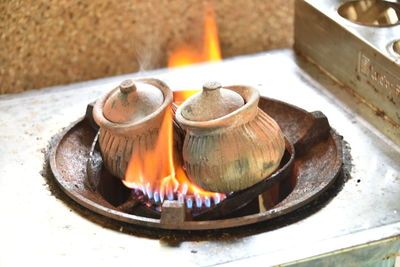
<point x="37" y="228"/>
<point x="359" y="57"/>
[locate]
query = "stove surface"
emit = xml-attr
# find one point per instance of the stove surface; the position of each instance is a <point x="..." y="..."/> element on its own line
<point x="41" y="225"/>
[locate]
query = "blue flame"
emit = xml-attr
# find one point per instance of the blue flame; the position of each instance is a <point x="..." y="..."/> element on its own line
<point x="170" y="195"/>
<point x="149" y="193"/>
<point x="156" y="196"/>
<point x="199" y="202"/>
<point x="189" y="203"/>
<point x="207" y="202"/>
<point x="217" y="199"/>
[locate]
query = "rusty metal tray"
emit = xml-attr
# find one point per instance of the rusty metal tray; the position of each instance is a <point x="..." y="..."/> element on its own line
<point x="318" y="162"/>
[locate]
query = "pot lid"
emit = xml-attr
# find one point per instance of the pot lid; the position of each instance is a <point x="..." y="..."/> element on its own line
<point x="212" y="103"/>
<point x="132" y="102"/>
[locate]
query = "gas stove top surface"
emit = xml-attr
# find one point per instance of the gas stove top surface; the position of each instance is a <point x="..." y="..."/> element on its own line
<point x="40" y="225"/>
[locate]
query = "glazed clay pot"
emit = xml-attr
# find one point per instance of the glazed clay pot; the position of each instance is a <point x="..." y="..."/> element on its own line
<point x="130" y="118"/>
<point x="230" y="144"/>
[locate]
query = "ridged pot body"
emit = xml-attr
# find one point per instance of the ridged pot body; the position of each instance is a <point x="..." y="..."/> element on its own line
<point x="233" y="152"/>
<point x="119" y="141"/>
<point x="116" y="150"/>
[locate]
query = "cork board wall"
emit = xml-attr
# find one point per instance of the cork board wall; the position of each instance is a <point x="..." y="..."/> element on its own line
<point x="49" y="42"/>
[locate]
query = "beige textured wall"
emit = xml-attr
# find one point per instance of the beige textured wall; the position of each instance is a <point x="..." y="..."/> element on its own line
<point x="51" y="42"/>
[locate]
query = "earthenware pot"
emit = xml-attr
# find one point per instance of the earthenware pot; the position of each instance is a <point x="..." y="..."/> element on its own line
<point x="130" y="117"/>
<point x="230" y="144"/>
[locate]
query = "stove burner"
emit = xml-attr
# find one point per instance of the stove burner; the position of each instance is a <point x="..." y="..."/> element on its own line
<point x="198" y="206"/>
<point x="302" y="178"/>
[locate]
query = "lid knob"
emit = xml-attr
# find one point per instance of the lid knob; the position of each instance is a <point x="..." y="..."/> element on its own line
<point x="210" y="86"/>
<point x="127" y="86"/>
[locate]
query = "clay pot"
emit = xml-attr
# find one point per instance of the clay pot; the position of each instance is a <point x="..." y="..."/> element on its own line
<point x="230" y="144"/>
<point x="130" y="118"/>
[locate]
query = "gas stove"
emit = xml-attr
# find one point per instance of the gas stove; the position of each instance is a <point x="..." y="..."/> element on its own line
<point x="358" y="221"/>
<point x="312" y="161"/>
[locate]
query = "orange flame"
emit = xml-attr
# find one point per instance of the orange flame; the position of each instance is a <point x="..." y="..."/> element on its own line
<point x="159" y="177"/>
<point x="181" y="96"/>
<point x="188" y="54"/>
<point x="157" y="173"/>
<point x="146" y="167"/>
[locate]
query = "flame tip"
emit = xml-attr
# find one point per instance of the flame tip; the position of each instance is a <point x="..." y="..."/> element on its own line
<point x="154" y="172"/>
<point x="211" y="51"/>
